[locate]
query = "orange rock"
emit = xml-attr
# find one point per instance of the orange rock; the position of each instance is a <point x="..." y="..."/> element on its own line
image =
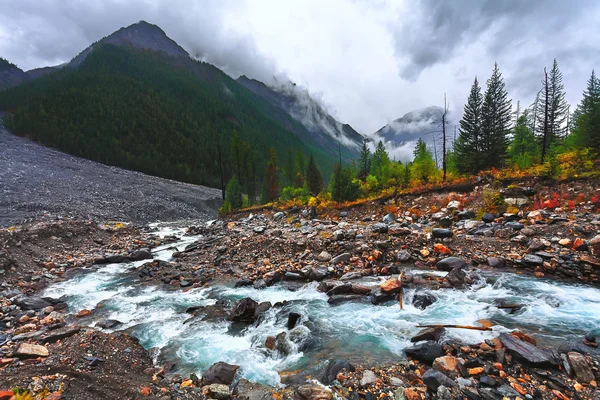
<point x="485" y="323"/>
<point x="186" y="383"/>
<point x="559" y="395"/>
<point x="377" y="254"/>
<point x="578" y="387"/>
<point x="270" y="342"/>
<point x="523" y="337"/>
<point x="54" y="396"/>
<point x="519" y="388"/>
<point x="539" y="274"/>
<point x="579" y="242"/>
<point x="446" y="364"/>
<point x="424" y="252"/>
<point x="441" y="249"/>
<point x="475" y="371"/>
<point x="498" y="366"/>
<point x="6" y="394"/>
<point x="83" y="313"/>
<point x="411" y="394"/>
<point x="145" y="391"/>
<point x="391" y="286"/>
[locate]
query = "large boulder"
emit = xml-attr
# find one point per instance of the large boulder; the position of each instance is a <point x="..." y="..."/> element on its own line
<point x="428" y="334"/>
<point x="449" y="263"/>
<point x="423" y="300"/>
<point x="527" y="352"/>
<point x="244" y="311"/>
<point x="425" y="352"/>
<point x="142" y="254"/>
<point x="31" y="303"/>
<point x="221" y="373"/>
<point x="580" y="367"/>
<point x="456" y="277"/>
<point x="378" y="297"/>
<point x="246" y="390"/>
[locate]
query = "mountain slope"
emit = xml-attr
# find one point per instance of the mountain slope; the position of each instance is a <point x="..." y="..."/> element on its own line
<point x="11" y="75"/>
<point x="320" y="126"/>
<point x="136" y="100"/>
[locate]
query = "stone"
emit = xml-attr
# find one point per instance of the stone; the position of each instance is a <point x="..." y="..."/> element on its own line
<point x="426" y="352"/>
<point x="441" y="233"/>
<point x="533" y="260"/>
<point x="391" y="286"/>
<point x="313" y="392"/>
<point x="338" y="235"/>
<point x="471" y="224"/>
<point x="340" y="289"/>
<point x="535" y="216"/>
<point x="438" y="215"/>
<point x="428" y="334"/>
<point x="31" y="303"/>
<point x="246" y="390"/>
<point x="565" y="242"/>
<point x="318" y="274"/>
<point x="142" y="254"/>
<point x="59" y="334"/>
<point x="445" y="222"/>
<point x="262" y="308"/>
<point x="243" y="311"/>
<point x="514" y="225"/>
<point x="378" y="297"/>
<point x="450" y="263"/>
<point x="446" y="364"/>
<point x="368" y="378"/>
<point x="324" y="256"/>
<point x="389" y="219"/>
<point x="292" y="320"/>
<point x="83" y="313"/>
<point x="270" y="342"/>
<point x="343" y="298"/>
<point x="278" y="216"/>
<point x="403" y="256"/>
<point x="423" y="300"/>
<point x="495" y="262"/>
<point x="399" y="230"/>
<point x="334" y="368"/>
<point x="595" y="246"/>
<point x="216" y="391"/>
<point x="348" y="276"/>
<point x="434" y="379"/>
<point x="488" y="218"/>
<point x="439" y="248"/>
<point x="360" y="289"/>
<point x="466" y="214"/>
<point x="580" y="367"/>
<point x="456" y="277"/>
<point x="379" y="227"/>
<point x="453" y="205"/>
<point x="488" y="381"/>
<point x="115" y="259"/>
<point x="28" y="350"/>
<point x="292" y="276"/>
<point x="341" y="258"/>
<point x="220" y="373"/>
<point x="527" y="351"/>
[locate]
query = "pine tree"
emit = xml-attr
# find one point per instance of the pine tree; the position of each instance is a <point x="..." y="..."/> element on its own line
<point x="495" y="122"/>
<point x="379" y="161"/>
<point x="290" y="167"/>
<point x="233" y="193"/>
<point x="343" y="186"/>
<point x="271" y="176"/>
<point x="423" y="168"/>
<point x="552" y="109"/>
<point x="467" y="147"/>
<point x="314" y="180"/>
<point x="523" y="149"/>
<point x="364" y="161"/>
<point x="587" y="116"/>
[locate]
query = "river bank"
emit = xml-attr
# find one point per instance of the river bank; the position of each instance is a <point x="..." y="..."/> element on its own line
<point x="100" y="303"/>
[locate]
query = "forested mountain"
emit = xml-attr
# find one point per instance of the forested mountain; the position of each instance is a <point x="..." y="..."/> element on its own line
<point x="136" y="99"/>
<point x="320" y="126"/>
<point x="11" y="75"/>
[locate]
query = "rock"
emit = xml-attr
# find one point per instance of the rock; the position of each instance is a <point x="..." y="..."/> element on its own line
<point x="318" y="274"/>
<point x="595" y="245"/>
<point x="453" y="205"/>
<point x="403" y="256"/>
<point x="343" y="298"/>
<point x="514" y="225"/>
<point x="535" y="216"/>
<point x="259" y="229"/>
<point x="428" y="334"/>
<point x="270" y="342"/>
<point x="441" y="233"/>
<point x="527" y="351"/>
<point x="246" y="390"/>
<point x="471" y="224"/>
<point x="143" y="254"/>
<point x="324" y="256"/>
<point x="423" y="300"/>
<point x="243" y="311"/>
<point x="360" y="289"/>
<point x="216" y="391"/>
<point x="446" y="364"/>
<point x="292" y="320"/>
<point x="28" y="350"/>
<point x="467" y="214"/>
<point x="488" y="381"/>
<point x="59" y="334"/>
<point x="242" y="283"/>
<point x="221" y="373"/>
<point x="278" y="216"/>
<point x="368" y="378"/>
<point x="334" y="368"/>
<point x="261" y="308"/>
<point x="533" y="260"/>
<point x="337" y="235"/>
<point x="391" y="286"/>
<point x="565" y="242"/>
<point x="456" y="277"/>
<point x="313" y="392"/>
<point x="348" y="276"/>
<point x="340" y="289"/>
<point x="115" y="259"/>
<point x="495" y="262"/>
<point x="580" y="366"/>
<point x="434" y="379"/>
<point x="398" y="230"/>
<point x="83" y="313"/>
<point x="341" y="258"/>
<point x="488" y="218"/>
<point x="31" y="303"/>
<point x="379" y="227"/>
<point x="426" y="352"/>
<point x="449" y="263"/>
<point x="389" y="219"/>
<point x="292" y="276"/>
<point x="378" y="297"/>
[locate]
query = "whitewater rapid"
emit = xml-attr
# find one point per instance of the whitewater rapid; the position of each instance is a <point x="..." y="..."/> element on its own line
<point x="357" y="331"/>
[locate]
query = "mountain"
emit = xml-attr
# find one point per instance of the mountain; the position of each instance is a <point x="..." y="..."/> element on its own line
<point x="11" y="75"/>
<point x="135" y="99"/>
<point x="401" y="134"/>
<point x="321" y="127"/>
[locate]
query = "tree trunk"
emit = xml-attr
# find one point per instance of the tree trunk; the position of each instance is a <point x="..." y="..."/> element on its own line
<point x="545" y="139"/>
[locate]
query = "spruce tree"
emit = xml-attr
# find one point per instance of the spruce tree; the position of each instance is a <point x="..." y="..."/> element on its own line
<point x="587" y="116"/>
<point x="552" y="109"/>
<point x="379" y="161"/>
<point x="233" y="193"/>
<point x="364" y="161"/>
<point x="271" y="176"/>
<point x="495" y="122"/>
<point x="523" y="149"/>
<point x="467" y="146"/>
<point x="314" y="180"/>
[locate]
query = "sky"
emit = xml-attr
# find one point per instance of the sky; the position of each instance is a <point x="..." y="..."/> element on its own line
<point x="367" y="61"/>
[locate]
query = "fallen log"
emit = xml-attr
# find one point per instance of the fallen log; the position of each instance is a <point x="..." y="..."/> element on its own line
<point x="475" y="328"/>
<point x="401" y="294"/>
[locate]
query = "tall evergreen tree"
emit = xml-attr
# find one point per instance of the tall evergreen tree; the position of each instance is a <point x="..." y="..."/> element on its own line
<point x="233" y="193"/>
<point x="587" y="116"/>
<point x="495" y="121"/>
<point x="290" y="167"/>
<point x="523" y="149"/>
<point x="364" y="162"/>
<point x="468" y="145"/>
<point x="314" y="180"/>
<point x="379" y="161"/>
<point x="271" y="176"/>
<point x="552" y="109"/>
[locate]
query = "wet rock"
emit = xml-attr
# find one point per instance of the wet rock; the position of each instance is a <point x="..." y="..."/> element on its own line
<point x="259" y="284"/>
<point x="324" y="256"/>
<point x="434" y="379"/>
<point x="456" y="277"/>
<point x="59" y="334"/>
<point x="262" y="308"/>
<point x="114" y="259"/>
<point x="343" y="298"/>
<point x="216" y="391"/>
<point x="527" y="351"/>
<point x="423" y="300"/>
<point x="449" y="263"/>
<point x="533" y="260"/>
<point x="318" y="274"/>
<point x="378" y="297"/>
<point x="143" y="254"/>
<point x="428" y="334"/>
<point x="270" y="342"/>
<point x="108" y="324"/>
<point x="242" y="283"/>
<point x="580" y="367"/>
<point x="388" y="219"/>
<point x="278" y="216"/>
<point x="334" y="368"/>
<point x="348" y="276"/>
<point x="488" y="218"/>
<point x="426" y="352"/>
<point x="341" y="258"/>
<point x="360" y="289"/>
<point x="379" y="227"/>
<point x="466" y="214"/>
<point x="441" y="233"/>
<point x="31" y="303"/>
<point x="340" y="289"/>
<point x="313" y="392"/>
<point x="495" y="262"/>
<point x="246" y="390"/>
<point x="292" y="320"/>
<point x="391" y="286"/>
<point x="243" y="311"/>
<point x="28" y="350"/>
<point x="221" y="373"/>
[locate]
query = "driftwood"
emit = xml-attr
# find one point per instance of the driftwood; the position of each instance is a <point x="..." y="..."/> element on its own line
<point x="475" y="328"/>
<point x="401" y="294"/>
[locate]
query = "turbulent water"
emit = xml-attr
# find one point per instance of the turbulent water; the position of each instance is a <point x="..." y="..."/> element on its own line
<point x="357" y="331"/>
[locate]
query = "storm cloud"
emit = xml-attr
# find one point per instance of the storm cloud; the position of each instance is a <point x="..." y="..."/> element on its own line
<point x="367" y="62"/>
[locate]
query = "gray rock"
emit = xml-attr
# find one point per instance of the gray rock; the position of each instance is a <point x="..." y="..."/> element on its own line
<point x="533" y="260"/>
<point x="278" y="215"/>
<point x="426" y="352"/>
<point x="450" y="263"/>
<point x="433" y="379"/>
<point x="456" y="277"/>
<point x="244" y="311"/>
<point x="368" y="378"/>
<point x="379" y="227"/>
<point x="389" y="219"/>
<point x="350" y="276"/>
<point x="403" y="256"/>
<point x="217" y="391"/>
<point x="143" y="254"/>
<point x="341" y="258"/>
<point x="334" y="368"/>
<point x="514" y="225"/>
<point x="246" y="390"/>
<point x="580" y="367"/>
<point x="488" y="218"/>
<point x="527" y="351"/>
<point x="441" y="233"/>
<point x="220" y="373"/>
<point x="428" y="334"/>
<point x="495" y="262"/>
<point x="324" y="256"/>
<point x="31" y="303"/>
<point x="343" y="298"/>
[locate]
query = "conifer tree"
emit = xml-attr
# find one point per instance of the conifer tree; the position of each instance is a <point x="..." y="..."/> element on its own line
<point x="364" y="161"/>
<point x="271" y="176"/>
<point x="468" y="145"/>
<point x="552" y="109"/>
<point x="379" y="161"/>
<point x="233" y="193"/>
<point x="495" y="122"/>
<point x="587" y="116"/>
<point x="523" y="149"/>
<point x="314" y="180"/>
